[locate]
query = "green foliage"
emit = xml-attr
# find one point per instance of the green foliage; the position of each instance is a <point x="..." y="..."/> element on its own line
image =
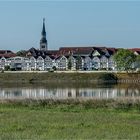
<point x="138" y="61"/>
<point x="6" y="68"/>
<point x="54" y="68"/>
<point x="122" y="104"/>
<point x="138" y="58"/>
<point x="2" y="71"/>
<point x="51" y="70"/>
<point x="69" y="64"/>
<point x="21" y="53"/>
<point x="124" y="59"/>
<point x="108" y="77"/>
<point x="78" y="62"/>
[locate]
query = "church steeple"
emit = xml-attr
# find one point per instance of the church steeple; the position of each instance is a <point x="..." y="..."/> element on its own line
<point x="43" y="29"/>
<point x="43" y="41"/>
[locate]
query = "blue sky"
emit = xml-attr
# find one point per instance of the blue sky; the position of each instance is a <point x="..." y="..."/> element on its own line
<point x="69" y="23"/>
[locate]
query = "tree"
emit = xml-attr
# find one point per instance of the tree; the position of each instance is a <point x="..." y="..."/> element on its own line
<point x="78" y="62"/>
<point x="6" y="68"/>
<point x="124" y="59"/>
<point x="69" y="64"/>
<point x="137" y="64"/>
<point x="21" y="53"/>
<point x="54" y="68"/>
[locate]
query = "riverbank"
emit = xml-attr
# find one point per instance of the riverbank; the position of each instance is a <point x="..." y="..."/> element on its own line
<point x="34" y="119"/>
<point x="54" y="77"/>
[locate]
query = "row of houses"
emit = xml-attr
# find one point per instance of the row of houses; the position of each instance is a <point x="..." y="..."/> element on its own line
<point x="60" y="63"/>
<point x="73" y="58"/>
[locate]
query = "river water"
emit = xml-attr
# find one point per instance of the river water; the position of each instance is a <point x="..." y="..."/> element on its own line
<point x="64" y="92"/>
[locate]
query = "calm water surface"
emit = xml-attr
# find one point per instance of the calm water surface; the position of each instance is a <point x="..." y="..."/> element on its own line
<point x="61" y="92"/>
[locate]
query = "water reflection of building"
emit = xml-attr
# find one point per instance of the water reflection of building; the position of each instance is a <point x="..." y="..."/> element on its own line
<point x="62" y="93"/>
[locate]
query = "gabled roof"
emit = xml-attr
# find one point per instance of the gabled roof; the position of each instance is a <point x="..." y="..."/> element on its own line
<point x="76" y="50"/>
<point x="112" y="51"/>
<point x="51" y="56"/>
<point x="33" y="52"/>
<point x="59" y="57"/>
<point x="96" y="53"/>
<point x="6" y="53"/>
<point x="36" y="53"/>
<point x="102" y="50"/>
<point x="52" y="52"/>
<point x="137" y="50"/>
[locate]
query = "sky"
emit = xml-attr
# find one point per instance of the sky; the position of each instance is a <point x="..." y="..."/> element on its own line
<point x="69" y="23"/>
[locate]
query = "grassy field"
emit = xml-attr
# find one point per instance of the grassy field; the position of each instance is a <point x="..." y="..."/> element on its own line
<point x="54" y="77"/>
<point x="61" y="120"/>
<point x="50" y="77"/>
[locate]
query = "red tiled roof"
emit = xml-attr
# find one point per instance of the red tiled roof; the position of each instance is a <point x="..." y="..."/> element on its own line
<point x="111" y="50"/>
<point x="7" y="53"/>
<point x="135" y="50"/>
<point x="72" y="50"/>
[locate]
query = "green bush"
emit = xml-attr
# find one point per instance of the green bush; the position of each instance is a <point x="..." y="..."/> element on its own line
<point x="138" y="71"/>
<point x="54" y="68"/>
<point x="108" y="77"/>
<point x="51" y="70"/>
<point x="6" y="68"/>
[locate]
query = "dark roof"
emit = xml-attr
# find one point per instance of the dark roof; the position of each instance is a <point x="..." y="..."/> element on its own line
<point x="135" y="50"/>
<point x="7" y="53"/>
<point x="53" y="52"/>
<point x="32" y="51"/>
<point x="76" y="50"/>
<point x="112" y="51"/>
<point x="101" y="50"/>
<point x="36" y="53"/>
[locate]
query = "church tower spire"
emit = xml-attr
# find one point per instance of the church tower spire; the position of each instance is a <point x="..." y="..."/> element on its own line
<point x="43" y="41"/>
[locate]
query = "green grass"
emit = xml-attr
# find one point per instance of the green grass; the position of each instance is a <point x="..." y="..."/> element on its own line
<point x="55" y="77"/>
<point x="66" y="121"/>
<point x="66" y="78"/>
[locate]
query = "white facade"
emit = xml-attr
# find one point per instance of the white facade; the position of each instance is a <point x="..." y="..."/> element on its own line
<point x="96" y="62"/>
<point x="87" y="63"/>
<point x="48" y="63"/>
<point x="104" y="62"/>
<point x="40" y="63"/>
<point x="61" y="63"/>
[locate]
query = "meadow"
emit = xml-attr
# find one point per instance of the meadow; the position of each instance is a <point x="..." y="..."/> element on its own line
<point x="69" y="119"/>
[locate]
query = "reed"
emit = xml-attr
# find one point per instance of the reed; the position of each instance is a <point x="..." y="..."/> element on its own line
<point x="118" y="103"/>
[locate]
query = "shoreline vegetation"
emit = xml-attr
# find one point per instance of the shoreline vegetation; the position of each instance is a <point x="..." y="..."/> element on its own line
<point x="124" y="103"/>
<point x="70" y="119"/>
<point x="56" y="77"/>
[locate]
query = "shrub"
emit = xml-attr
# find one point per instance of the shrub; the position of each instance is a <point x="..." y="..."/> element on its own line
<point x="108" y="77"/>
<point x="54" y="68"/>
<point x="51" y="70"/>
<point x="2" y="71"/>
<point x="6" y="68"/>
<point x="138" y="70"/>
